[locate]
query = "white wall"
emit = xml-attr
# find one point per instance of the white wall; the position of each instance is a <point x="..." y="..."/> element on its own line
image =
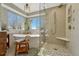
<point x="74" y="41"/>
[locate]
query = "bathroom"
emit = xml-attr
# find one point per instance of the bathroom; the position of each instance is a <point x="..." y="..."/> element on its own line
<point x="48" y="27"/>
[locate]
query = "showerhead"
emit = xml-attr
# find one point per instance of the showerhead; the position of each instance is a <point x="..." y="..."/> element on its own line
<point x="60" y="5"/>
<point x="26" y="4"/>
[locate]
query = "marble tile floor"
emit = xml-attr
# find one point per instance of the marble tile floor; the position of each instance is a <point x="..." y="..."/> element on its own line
<point x="54" y="50"/>
<point x="46" y="50"/>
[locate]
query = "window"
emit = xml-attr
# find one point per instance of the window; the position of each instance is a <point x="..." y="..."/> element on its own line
<point x="20" y="22"/>
<point x="15" y="21"/>
<point x="11" y="20"/>
<point x="37" y="22"/>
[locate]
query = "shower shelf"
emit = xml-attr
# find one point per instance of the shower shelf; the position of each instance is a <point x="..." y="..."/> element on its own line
<point x="64" y="39"/>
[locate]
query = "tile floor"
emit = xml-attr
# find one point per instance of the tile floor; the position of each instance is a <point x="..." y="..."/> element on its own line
<point x="46" y="50"/>
<point x="53" y="50"/>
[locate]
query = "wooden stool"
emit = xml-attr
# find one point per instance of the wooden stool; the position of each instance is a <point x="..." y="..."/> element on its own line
<point x="22" y="47"/>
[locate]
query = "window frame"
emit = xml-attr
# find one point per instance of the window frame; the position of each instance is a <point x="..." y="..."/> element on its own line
<point x="16" y="16"/>
<point x="39" y="20"/>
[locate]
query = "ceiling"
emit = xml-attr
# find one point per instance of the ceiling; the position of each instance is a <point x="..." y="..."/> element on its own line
<point x="36" y="6"/>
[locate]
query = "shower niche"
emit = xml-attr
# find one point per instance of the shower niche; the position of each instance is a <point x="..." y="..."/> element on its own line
<point x="69" y="17"/>
<point x="68" y="21"/>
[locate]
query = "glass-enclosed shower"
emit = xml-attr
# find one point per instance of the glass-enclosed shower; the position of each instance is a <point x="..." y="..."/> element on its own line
<point x="48" y="28"/>
<point x="43" y="30"/>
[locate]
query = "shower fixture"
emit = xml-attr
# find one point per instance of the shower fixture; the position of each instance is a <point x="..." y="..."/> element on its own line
<point x="27" y="8"/>
<point x="60" y="5"/>
<point x="26" y="4"/>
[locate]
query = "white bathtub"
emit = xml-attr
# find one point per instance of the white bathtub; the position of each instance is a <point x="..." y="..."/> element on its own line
<point x="33" y="39"/>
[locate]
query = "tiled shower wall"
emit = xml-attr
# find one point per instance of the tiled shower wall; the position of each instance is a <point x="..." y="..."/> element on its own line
<point x="60" y="20"/>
